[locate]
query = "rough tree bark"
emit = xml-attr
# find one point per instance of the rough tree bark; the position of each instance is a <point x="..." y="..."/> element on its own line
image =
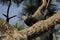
<point x="38" y="15"/>
<point x="9" y="33"/>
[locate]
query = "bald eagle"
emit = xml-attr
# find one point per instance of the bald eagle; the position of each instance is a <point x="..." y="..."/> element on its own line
<point x="29" y="21"/>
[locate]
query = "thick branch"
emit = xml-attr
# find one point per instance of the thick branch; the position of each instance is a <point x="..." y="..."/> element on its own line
<point x="38" y="14"/>
<point x="35" y="30"/>
<point x="41" y="26"/>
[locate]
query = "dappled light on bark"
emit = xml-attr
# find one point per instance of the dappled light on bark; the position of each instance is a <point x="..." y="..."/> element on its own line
<point x="31" y="32"/>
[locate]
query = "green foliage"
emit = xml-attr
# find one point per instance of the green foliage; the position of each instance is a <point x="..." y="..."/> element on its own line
<point x="30" y="9"/>
<point x="19" y="26"/>
<point x="31" y="6"/>
<point x="4" y="2"/>
<point x="0" y="18"/>
<point x="17" y="2"/>
<point x="58" y="0"/>
<point x="52" y="8"/>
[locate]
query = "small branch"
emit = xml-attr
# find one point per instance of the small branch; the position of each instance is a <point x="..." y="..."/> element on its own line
<point x="7" y="16"/>
<point x="8" y="8"/>
<point x="12" y="16"/>
<point x="4" y="15"/>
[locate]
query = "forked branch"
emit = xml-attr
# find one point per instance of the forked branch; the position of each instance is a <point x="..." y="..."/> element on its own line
<point x="38" y="14"/>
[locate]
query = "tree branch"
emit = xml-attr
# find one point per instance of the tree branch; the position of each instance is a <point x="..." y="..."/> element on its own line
<point x="4" y="15"/>
<point x="12" y="16"/>
<point x="38" y="14"/>
<point x="31" y="32"/>
<point x="41" y="26"/>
